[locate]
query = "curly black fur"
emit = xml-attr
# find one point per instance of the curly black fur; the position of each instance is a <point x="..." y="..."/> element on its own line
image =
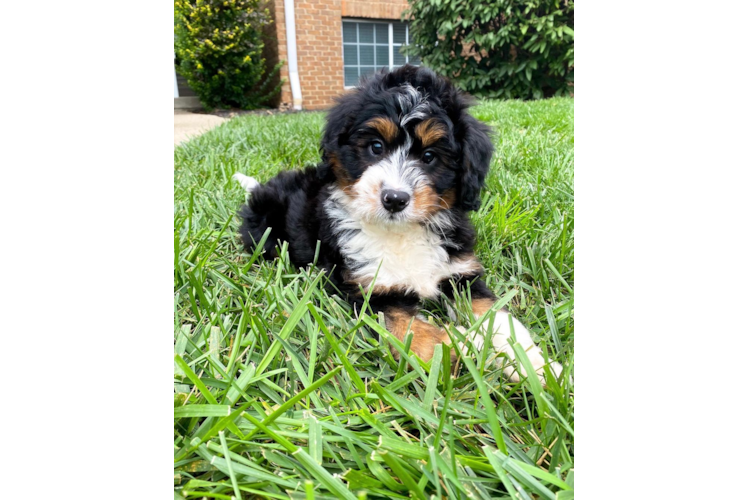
<point x="292" y="203"/>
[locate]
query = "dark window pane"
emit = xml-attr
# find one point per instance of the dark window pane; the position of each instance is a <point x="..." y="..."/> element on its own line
<point x="414" y="60"/>
<point x="351" y="76"/>
<point x="349" y="32"/>
<point x="365" y="33"/>
<point x="366" y="52"/>
<point x="350" y="55"/>
<point x="383" y="56"/>
<point x="398" y="32"/>
<point x="367" y="70"/>
<point x="398" y="58"/>
<point x="382" y="32"/>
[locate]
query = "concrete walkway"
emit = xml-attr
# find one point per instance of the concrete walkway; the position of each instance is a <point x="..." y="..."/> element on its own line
<point x="188" y="125"/>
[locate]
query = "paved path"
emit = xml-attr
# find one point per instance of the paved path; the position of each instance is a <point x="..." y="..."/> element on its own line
<point x="188" y="125"/>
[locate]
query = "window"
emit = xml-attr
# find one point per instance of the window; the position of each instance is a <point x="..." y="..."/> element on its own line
<point x="369" y="46"/>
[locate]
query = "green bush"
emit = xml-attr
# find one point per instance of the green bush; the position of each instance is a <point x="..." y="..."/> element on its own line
<point x="218" y="44"/>
<point x="502" y="48"/>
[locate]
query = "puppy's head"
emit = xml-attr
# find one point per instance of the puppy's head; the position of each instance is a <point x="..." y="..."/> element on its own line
<point x="401" y="148"/>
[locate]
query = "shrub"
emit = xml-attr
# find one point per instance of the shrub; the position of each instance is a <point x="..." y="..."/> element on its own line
<point x="501" y="48"/>
<point x="219" y="47"/>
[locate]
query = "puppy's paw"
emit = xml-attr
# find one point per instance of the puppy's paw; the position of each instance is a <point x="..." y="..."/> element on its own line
<point x="501" y="339"/>
<point x="245" y="181"/>
<point x="535" y="355"/>
<point x="476" y="339"/>
<point x="538" y="363"/>
<point x="514" y="371"/>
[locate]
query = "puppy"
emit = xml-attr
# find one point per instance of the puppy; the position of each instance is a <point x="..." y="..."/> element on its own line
<point x="402" y="165"/>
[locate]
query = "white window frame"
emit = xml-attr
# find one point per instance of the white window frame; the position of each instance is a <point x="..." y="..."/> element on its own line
<point x="390" y="42"/>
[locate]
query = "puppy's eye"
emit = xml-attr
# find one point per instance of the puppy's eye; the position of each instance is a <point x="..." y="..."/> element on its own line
<point x="377" y="148"/>
<point x="428" y="157"/>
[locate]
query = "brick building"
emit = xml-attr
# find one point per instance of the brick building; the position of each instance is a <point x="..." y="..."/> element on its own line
<point x="336" y="41"/>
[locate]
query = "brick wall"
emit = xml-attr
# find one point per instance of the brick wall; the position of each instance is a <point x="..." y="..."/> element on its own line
<point x="319" y="43"/>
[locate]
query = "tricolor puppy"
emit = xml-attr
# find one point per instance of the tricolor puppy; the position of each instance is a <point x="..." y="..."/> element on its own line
<point x="402" y="165"/>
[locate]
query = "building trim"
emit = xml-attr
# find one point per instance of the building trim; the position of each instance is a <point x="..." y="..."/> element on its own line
<point x="293" y="66"/>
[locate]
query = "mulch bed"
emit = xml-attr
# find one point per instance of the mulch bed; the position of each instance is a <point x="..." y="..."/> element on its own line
<point x="230" y="113"/>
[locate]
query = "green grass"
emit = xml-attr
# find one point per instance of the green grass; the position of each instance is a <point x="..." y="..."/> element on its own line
<point x="280" y="391"/>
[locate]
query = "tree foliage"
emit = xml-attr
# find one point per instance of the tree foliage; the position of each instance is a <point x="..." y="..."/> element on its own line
<point x="500" y="48"/>
<point x="219" y="47"/>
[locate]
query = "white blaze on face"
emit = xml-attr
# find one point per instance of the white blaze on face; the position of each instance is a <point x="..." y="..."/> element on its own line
<point x="393" y="172"/>
<point x="413" y="104"/>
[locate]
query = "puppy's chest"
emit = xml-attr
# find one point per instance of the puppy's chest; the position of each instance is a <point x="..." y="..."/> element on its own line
<point x="412" y="261"/>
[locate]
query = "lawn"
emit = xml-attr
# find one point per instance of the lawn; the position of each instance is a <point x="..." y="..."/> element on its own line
<point x="280" y="391"/>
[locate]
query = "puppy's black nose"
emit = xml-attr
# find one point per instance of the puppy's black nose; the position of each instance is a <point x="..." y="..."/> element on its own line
<point x="395" y="201"/>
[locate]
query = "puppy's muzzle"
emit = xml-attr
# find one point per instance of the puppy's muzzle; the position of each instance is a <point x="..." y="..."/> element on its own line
<point x="395" y="201"/>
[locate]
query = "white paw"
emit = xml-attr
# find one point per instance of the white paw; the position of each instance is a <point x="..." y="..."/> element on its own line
<point x="501" y="338"/>
<point x="535" y="355"/>
<point x="245" y="181"/>
<point x="475" y="338"/>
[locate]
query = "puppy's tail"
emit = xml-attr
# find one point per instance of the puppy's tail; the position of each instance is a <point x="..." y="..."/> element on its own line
<point x="245" y="181"/>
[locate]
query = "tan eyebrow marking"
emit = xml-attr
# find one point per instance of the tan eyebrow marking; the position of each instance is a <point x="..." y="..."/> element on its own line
<point x="386" y="127"/>
<point x="430" y="131"/>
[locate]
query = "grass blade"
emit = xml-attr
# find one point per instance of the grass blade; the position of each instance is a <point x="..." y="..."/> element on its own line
<point x="288" y="404"/>
<point x="228" y="465"/>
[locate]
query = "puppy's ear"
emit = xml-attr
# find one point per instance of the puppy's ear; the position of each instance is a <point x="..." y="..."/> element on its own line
<point x="339" y="121"/>
<point x="475" y="161"/>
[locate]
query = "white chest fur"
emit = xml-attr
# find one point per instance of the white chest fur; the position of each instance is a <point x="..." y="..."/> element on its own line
<point x="413" y="260"/>
<point x="409" y="258"/>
